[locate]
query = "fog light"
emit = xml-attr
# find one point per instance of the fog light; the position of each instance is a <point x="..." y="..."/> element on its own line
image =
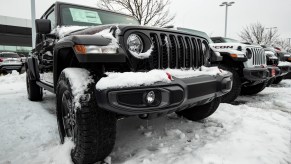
<point x="150" y="97"/>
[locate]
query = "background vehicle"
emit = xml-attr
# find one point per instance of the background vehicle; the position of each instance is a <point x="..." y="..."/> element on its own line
<point x="23" y="58"/>
<point x="10" y="61"/>
<point x="75" y="63"/>
<point x="246" y="62"/>
<point x="284" y="64"/>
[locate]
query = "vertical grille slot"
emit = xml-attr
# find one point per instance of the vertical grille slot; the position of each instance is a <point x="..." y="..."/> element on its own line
<point x="182" y="52"/>
<point x="201" y="57"/>
<point x="196" y="53"/>
<point x="165" y="51"/>
<point x="156" y="51"/>
<point x="175" y="52"/>
<point x="190" y="54"/>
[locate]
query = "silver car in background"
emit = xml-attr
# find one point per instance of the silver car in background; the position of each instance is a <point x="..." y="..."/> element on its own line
<point x="10" y="61"/>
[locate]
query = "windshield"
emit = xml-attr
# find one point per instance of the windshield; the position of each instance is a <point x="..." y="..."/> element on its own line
<point x="9" y="55"/>
<point x="228" y="40"/>
<point x="82" y="16"/>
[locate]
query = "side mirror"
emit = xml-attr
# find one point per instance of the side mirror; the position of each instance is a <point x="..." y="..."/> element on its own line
<point x="43" y="26"/>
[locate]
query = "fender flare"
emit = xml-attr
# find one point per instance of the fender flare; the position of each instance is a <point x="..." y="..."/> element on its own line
<point x="32" y="65"/>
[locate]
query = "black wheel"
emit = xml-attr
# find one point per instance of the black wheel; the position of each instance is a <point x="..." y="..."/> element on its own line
<point x="92" y="130"/>
<point x="254" y="89"/>
<point x="278" y="80"/>
<point x="34" y="91"/>
<point x="197" y="113"/>
<point x="236" y="85"/>
<point x="270" y="82"/>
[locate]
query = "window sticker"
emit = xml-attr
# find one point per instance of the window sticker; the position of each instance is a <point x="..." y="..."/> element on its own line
<point x="86" y="16"/>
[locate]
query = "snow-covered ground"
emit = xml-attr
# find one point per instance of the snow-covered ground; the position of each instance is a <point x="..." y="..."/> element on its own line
<point x="256" y="130"/>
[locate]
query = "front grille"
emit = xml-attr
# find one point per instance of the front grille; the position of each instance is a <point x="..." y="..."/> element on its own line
<point x="170" y="50"/>
<point x="176" y="51"/>
<point x="259" y="57"/>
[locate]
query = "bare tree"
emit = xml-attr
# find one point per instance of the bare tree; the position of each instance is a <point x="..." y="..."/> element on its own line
<point x="147" y="12"/>
<point x="283" y="43"/>
<point x="257" y="33"/>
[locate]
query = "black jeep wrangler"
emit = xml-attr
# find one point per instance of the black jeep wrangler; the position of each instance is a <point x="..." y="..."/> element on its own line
<point x="247" y="63"/>
<point x="77" y="48"/>
<point x="276" y="59"/>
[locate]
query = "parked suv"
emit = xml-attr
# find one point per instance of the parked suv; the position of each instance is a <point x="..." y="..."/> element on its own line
<point x="103" y="66"/>
<point x="284" y="64"/>
<point x="246" y="62"/>
<point x="274" y="59"/>
<point x="10" y="61"/>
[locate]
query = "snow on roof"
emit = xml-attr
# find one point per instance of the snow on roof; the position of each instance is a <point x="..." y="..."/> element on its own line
<point x="136" y="79"/>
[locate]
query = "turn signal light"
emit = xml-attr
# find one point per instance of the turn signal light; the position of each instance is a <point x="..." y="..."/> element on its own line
<point x="233" y="55"/>
<point x="273" y="72"/>
<point x="289" y="59"/>
<point x="1" y="60"/>
<point x="80" y="49"/>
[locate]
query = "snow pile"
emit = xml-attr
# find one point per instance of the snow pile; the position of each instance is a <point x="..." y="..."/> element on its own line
<point x="136" y="79"/>
<point x="255" y="131"/>
<point x="131" y="79"/>
<point x="14" y="76"/>
<point x="212" y="71"/>
<point x="143" y="55"/>
<point x="284" y="63"/>
<point x="79" y="80"/>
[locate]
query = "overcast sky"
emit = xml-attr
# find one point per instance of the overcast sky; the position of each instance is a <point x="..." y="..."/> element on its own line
<point x="204" y="15"/>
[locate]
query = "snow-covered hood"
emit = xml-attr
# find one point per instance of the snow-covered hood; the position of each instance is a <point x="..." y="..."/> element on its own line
<point x="120" y="29"/>
<point x="271" y="55"/>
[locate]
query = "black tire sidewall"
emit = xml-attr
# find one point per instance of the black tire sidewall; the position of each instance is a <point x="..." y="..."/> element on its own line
<point x="236" y="85"/>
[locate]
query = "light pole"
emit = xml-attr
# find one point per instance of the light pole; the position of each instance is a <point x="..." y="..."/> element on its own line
<point x="289" y="39"/>
<point x="33" y="33"/>
<point x="226" y="4"/>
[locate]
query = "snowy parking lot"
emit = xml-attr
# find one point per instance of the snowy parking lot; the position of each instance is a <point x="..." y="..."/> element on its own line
<point x="255" y="130"/>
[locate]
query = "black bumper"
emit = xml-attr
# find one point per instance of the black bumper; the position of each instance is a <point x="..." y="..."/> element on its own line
<point x="10" y="67"/>
<point x="256" y="74"/>
<point x="178" y="95"/>
<point x="274" y="71"/>
<point x="285" y="70"/>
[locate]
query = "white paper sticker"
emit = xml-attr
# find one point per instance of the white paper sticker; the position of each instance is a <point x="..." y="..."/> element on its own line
<point x="86" y="16"/>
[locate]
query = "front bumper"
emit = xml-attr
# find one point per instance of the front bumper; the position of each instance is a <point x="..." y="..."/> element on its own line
<point x="285" y="70"/>
<point x="178" y="95"/>
<point x="274" y="71"/>
<point x="9" y="67"/>
<point x="256" y="74"/>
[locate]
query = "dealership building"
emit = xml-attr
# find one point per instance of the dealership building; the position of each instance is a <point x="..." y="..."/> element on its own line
<point x="15" y="35"/>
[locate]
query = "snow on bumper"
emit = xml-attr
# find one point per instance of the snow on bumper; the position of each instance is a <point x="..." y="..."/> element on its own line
<point x="127" y="93"/>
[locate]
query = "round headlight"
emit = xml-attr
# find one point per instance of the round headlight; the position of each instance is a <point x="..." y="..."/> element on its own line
<point x="134" y="43"/>
<point x="249" y="54"/>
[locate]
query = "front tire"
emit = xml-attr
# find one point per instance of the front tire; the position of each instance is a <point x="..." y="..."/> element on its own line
<point x="278" y="80"/>
<point x="197" y="113"/>
<point x="254" y="89"/>
<point x="236" y="85"/>
<point x="34" y="92"/>
<point x="93" y="130"/>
